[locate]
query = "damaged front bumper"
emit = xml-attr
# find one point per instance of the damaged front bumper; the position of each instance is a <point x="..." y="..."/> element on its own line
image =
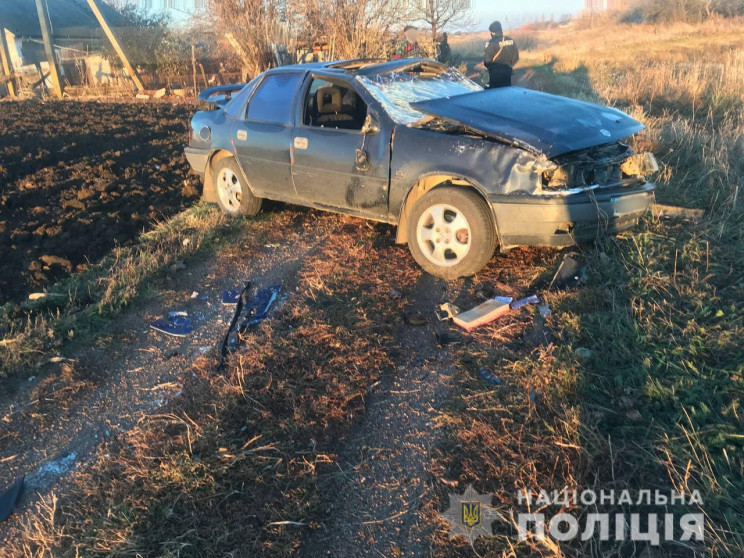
<point x="568" y="220"/>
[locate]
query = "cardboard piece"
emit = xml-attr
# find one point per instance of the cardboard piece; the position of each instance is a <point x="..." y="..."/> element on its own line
<point x="482" y="314"/>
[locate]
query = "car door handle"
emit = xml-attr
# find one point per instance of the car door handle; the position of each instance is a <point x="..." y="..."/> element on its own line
<point x="300" y="143"/>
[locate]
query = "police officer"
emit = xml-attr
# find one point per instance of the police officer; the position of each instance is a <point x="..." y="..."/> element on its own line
<point x="501" y="56"/>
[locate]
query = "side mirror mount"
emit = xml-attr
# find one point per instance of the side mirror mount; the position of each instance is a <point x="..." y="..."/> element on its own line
<point x="371" y="125"/>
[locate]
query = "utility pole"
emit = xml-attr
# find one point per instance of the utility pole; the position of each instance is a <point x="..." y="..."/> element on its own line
<point x="46" y="35"/>
<point x="115" y="43"/>
<point x="6" y="68"/>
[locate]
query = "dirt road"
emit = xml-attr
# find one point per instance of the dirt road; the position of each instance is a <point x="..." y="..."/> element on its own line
<point x="365" y="409"/>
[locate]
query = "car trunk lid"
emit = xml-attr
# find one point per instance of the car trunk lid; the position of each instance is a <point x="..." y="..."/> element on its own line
<point x="539" y="122"/>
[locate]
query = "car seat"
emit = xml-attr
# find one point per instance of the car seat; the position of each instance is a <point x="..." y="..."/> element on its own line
<point x="330" y="107"/>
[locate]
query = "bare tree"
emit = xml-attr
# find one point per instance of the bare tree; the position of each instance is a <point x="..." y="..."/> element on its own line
<point x="354" y="28"/>
<point x="255" y="25"/>
<point x="438" y="14"/>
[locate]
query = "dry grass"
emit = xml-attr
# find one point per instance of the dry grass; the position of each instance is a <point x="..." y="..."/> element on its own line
<point x="231" y="466"/>
<point x="659" y="403"/>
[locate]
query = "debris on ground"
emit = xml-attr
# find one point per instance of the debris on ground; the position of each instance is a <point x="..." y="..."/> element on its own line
<point x="484" y="291"/>
<point x="522" y="302"/>
<point x="569" y="274"/>
<point x="445" y="338"/>
<point x="482" y="314"/>
<point x="489" y="377"/>
<point x="177" y="324"/>
<point x="231" y="297"/>
<point x="252" y="310"/>
<point x="446" y="312"/>
<point x="395" y="294"/>
<point x="9" y="499"/>
<point x="416" y="319"/>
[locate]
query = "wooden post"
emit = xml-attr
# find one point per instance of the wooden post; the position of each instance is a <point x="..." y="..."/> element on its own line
<point x="6" y="68"/>
<point x="46" y="35"/>
<point x="115" y="43"/>
<point x="193" y="67"/>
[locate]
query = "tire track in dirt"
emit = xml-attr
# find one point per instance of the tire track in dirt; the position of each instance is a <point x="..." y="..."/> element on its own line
<point x="383" y="464"/>
<point x="104" y="391"/>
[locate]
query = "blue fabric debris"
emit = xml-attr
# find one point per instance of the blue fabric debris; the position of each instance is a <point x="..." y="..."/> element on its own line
<point x="177" y="324"/>
<point x="249" y="311"/>
<point x="231" y="297"/>
<point x="518" y="304"/>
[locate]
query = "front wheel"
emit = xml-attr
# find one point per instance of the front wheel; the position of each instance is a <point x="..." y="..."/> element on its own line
<point x="234" y="196"/>
<point x="451" y="232"/>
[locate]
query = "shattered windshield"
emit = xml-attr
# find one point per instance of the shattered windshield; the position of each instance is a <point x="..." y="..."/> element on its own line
<point x="397" y="90"/>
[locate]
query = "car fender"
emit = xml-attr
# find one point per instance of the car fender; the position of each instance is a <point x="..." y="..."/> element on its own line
<point x="428" y="182"/>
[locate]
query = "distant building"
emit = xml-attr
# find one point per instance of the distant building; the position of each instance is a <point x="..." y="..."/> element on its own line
<point x="176" y="9"/>
<point x="76" y="34"/>
<point x="74" y="27"/>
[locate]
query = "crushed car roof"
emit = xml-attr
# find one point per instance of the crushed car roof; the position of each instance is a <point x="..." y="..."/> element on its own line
<point x="366" y="66"/>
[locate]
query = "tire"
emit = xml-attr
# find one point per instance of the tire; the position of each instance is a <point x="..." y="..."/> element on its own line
<point x="451" y="233"/>
<point x="232" y="191"/>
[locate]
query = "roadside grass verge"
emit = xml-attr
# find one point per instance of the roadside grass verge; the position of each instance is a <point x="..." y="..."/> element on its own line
<point x="642" y="388"/>
<point x="78" y="306"/>
<point x="676" y="322"/>
<point x="231" y="466"/>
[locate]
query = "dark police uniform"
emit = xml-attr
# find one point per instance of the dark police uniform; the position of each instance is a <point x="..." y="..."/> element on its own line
<point x="501" y="56"/>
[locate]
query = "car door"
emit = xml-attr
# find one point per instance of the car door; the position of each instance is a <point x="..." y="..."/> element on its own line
<point x="263" y="137"/>
<point x="334" y="163"/>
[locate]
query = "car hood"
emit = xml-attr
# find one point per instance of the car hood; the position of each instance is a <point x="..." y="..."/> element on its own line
<point x="539" y="122"/>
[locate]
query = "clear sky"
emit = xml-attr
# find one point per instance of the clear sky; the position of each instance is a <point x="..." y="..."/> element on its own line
<point x="517" y="12"/>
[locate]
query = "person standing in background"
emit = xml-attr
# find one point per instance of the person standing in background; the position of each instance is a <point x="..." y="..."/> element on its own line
<point x="500" y="58"/>
<point x="408" y="47"/>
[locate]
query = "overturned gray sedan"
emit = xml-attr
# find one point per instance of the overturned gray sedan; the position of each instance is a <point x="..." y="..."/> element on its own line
<point x="460" y="170"/>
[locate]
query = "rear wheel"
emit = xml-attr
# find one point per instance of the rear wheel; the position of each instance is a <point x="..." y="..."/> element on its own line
<point x="451" y="232"/>
<point x="234" y="196"/>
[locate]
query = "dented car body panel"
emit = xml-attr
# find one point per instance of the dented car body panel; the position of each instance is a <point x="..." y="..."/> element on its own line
<point x="553" y="180"/>
<point x="545" y="124"/>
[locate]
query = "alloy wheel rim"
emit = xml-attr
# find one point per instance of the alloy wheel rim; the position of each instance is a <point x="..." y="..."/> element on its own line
<point x="443" y="235"/>
<point x="229" y="189"/>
